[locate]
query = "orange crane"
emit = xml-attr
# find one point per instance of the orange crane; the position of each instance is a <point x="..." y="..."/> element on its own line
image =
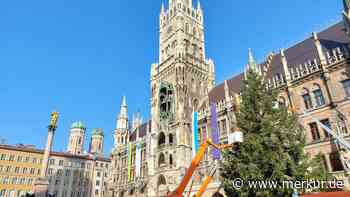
<point x="194" y="164"/>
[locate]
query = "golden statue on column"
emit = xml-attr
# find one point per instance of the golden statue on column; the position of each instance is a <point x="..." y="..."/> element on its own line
<point x="41" y="185"/>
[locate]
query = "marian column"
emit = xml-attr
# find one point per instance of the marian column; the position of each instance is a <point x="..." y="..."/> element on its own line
<point x="41" y="184"/>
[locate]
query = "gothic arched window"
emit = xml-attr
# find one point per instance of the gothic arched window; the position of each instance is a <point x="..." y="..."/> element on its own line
<point x="161" y="180"/>
<point x="161" y="139"/>
<point x="171" y="140"/>
<point x="171" y="159"/>
<point x="161" y="159"/>
<point x="318" y="95"/>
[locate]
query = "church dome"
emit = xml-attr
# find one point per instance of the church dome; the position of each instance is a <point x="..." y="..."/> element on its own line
<point x="78" y="125"/>
<point x="97" y="132"/>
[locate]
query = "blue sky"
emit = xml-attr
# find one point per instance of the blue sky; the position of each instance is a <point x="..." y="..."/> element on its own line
<point x="79" y="57"/>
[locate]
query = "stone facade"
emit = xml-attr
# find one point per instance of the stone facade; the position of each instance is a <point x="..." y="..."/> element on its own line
<point x="311" y="76"/>
<point x="69" y="175"/>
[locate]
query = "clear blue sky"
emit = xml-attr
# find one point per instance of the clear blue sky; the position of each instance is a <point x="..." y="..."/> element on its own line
<point x="79" y="57"/>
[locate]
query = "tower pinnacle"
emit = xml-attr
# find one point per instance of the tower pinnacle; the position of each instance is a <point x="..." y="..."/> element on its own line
<point x="122" y="120"/>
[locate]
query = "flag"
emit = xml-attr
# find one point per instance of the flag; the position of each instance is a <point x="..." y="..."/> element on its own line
<point x="214" y="131"/>
<point x="129" y="161"/>
<point x="195" y="144"/>
<point x="138" y="159"/>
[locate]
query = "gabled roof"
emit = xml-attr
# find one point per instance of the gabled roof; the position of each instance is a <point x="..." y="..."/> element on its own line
<point x="142" y="129"/>
<point x="333" y="37"/>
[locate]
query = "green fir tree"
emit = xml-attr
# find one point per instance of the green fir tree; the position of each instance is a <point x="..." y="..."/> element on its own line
<point x="273" y="147"/>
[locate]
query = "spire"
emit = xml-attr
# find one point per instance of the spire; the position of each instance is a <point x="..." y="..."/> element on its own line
<point x="123" y="108"/>
<point x="162" y="9"/>
<point x="199" y="5"/>
<point x="122" y="121"/>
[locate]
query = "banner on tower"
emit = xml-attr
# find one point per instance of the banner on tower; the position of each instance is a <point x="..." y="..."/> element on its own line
<point x="138" y="159"/>
<point x="214" y="131"/>
<point x="195" y="145"/>
<point x="129" y="161"/>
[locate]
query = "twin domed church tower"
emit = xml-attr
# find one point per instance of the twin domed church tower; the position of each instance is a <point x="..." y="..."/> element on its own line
<point x="77" y="136"/>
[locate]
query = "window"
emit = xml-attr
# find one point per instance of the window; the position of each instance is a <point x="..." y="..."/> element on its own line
<point x="60" y="163"/>
<point x="282" y="102"/>
<point x="59" y="172"/>
<point x="161" y="159"/>
<point x="335" y="162"/>
<point x="346" y="86"/>
<point x="307" y="100"/>
<point x="3" y="157"/>
<point x="8" y="168"/>
<point x="19" y="158"/>
<point x="161" y="139"/>
<point x="171" y="140"/>
<point x="327" y="124"/>
<point x="314" y="131"/>
<point x="97" y="183"/>
<point x="50" y="171"/>
<point x="35" y="160"/>
<point x="171" y="159"/>
<point x="22" y="181"/>
<point x="11" y="158"/>
<point x="24" y="170"/>
<point x="52" y="162"/>
<point x="318" y="96"/>
<point x="67" y="173"/>
<point x="16" y="169"/>
<point x="98" y="174"/>
<point x="14" y="181"/>
<point x="5" y="180"/>
<point x="32" y="171"/>
<point x="96" y="192"/>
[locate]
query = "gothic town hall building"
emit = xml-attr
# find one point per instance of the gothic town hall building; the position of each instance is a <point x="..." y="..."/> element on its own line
<point x="311" y="76"/>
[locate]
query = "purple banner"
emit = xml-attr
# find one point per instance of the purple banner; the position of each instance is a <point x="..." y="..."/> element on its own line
<point x="214" y="131"/>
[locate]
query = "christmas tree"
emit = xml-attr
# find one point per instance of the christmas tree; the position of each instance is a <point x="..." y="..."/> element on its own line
<point x="273" y="147"/>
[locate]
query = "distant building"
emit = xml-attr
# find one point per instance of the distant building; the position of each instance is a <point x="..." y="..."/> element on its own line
<point x="71" y="174"/>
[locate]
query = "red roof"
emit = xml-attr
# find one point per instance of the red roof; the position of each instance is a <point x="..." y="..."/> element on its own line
<point x="329" y="194"/>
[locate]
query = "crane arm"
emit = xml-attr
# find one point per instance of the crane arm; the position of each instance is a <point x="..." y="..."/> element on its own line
<point x="206" y="182"/>
<point x="194" y="164"/>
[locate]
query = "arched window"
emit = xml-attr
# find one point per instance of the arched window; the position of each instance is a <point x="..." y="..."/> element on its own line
<point x="171" y="140"/>
<point x="170" y="159"/>
<point x="161" y="159"/>
<point x="194" y="32"/>
<point x="307" y="99"/>
<point x="161" y="180"/>
<point x="161" y="139"/>
<point x="318" y="95"/>
<point x="282" y="102"/>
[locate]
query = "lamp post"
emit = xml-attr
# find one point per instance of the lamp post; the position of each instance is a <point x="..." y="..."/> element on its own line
<point x="41" y="184"/>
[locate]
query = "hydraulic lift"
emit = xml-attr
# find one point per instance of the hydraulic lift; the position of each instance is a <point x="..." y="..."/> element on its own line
<point x="234" y="139"/>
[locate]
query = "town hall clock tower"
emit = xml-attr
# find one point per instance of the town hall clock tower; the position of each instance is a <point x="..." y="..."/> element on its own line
<point x="179" y="81"/>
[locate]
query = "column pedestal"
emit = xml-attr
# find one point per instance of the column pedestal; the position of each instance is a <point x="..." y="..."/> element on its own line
<point x="41" y="187"/>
